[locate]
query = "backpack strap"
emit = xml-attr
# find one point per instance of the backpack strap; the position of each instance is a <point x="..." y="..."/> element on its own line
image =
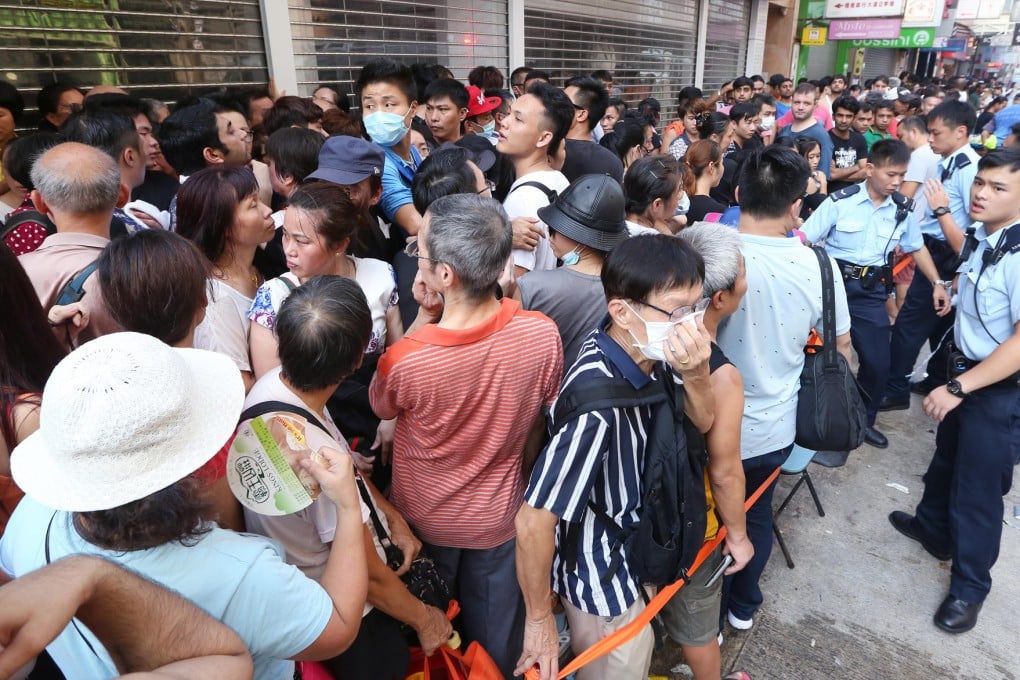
<point x="599" y="393"/>
<point x="28" y="217"/>
<point x="551" y="194"/>
<point x="281" y="406"/>
<point x="74" y="290"/>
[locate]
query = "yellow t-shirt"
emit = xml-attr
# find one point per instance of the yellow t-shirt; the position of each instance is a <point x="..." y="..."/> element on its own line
<point x="712" y="525"/>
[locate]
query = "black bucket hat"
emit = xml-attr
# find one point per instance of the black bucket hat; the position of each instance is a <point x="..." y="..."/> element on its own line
<point x="589" y="211"/>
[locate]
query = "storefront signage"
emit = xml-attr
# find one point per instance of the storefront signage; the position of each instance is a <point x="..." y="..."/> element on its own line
<point x="864" y="29"/>
<point x="863" y="9"/>
<point x="910" y="38"/>
<point x="923" y="12"/>
<point x="950" y="44"/>
<point x="813" y="35"/>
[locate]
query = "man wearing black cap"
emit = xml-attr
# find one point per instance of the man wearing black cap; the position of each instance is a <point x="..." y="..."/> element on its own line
<point x="585" y="223"/>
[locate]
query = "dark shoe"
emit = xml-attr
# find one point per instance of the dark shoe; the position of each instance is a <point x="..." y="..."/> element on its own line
<point x="957" y="616"/>
<point x="923" y="387"/>
<point x="875" y="438"/>
<point x="906" y="524"/>
<point x="831" y="459"/>
<point x="894" y="403"/>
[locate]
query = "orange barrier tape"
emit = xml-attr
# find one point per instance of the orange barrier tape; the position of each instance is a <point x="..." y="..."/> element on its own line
<point x="902" y="264"/>
<point x="631" y="630"/>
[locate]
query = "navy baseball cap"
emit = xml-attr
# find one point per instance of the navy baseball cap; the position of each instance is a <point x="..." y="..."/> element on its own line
<point x="348" y="160"/>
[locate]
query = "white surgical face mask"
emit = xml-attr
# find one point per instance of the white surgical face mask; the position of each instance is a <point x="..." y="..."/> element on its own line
<point x="767" y="122"/>
<point x="656" y="332"/>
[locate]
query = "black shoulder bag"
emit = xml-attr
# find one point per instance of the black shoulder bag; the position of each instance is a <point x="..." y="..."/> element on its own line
<point x="830" y="406"/>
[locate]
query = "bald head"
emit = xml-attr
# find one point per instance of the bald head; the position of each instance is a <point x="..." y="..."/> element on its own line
<point x="77" y="179"/>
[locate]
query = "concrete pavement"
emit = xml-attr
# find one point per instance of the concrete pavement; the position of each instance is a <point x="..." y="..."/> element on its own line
<point x="859" y="602"/>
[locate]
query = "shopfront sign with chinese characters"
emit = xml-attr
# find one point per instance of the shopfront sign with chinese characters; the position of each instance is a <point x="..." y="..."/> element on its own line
<point x="863" y="9"/>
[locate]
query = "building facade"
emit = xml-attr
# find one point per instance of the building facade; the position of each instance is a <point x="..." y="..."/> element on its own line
<point x="168" y="48"/>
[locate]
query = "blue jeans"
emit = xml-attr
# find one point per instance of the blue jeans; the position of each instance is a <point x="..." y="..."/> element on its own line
<point x="741" y="594"/>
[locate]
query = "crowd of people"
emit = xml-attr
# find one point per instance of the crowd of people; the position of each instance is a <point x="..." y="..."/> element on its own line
<point x="480" y="301"/>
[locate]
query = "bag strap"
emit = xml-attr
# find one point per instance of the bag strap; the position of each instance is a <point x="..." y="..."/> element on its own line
<point x="273" y="406"/>
<point x="74" y="622"/>
<point x="550" y="193"/>
<point x="604" y="392"/>
<point x="74" y="290"/>
<point x="27" y="217"/>
<point x="828" y="309"/>
<point x="366" y="497"/>
<point x="278" y="406"/>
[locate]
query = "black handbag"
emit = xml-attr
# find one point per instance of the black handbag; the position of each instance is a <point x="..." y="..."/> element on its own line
<point x="830" y="406"/>
<point x="422" y="578"/>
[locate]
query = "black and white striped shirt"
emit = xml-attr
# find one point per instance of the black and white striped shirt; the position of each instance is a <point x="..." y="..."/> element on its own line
<point x="595" y="458"/>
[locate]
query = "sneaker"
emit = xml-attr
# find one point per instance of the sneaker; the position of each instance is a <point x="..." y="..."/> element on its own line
<point x="739" y="624"/>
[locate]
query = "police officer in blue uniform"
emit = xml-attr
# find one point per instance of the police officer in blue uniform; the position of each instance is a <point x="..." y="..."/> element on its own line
<point x="949" y="126"/>
<point x="978" y="441"/>
<point x="861" y="226"/>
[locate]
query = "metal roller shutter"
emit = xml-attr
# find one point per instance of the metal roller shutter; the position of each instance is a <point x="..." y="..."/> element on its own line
<point x="726" y="48"/>
<point x="879" y="61"/>
<point x="334" y="38"/>
<point x="156" y="48"/>
<point x="649" y="47"/>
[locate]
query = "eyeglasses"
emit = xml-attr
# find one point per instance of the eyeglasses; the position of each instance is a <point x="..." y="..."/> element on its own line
<point x="412" y="250"/>
<point x="490" y="186"/>
<point x="680" y="313"/>
<point x="245" y="133"/>
<point x="520" y="84"/>
<point x="577" y="107"/>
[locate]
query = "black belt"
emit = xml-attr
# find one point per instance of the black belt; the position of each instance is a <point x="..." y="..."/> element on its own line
<point x="960" y="363"/>
<point x="856" y="271"/>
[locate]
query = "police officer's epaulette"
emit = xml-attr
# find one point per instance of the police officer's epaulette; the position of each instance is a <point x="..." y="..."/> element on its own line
<point x="961" y="160"/>
<point x="1009" y="243"/>
<point x="846" y="192"/>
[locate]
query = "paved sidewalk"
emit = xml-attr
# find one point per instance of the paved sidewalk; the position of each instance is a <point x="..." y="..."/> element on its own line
<point x="859" y="603"/>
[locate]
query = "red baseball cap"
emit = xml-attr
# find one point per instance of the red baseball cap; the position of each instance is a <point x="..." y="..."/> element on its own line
<point x="478" y="103"/>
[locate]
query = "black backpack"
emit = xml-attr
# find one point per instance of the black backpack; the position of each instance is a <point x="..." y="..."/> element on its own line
<point x="662" y="546"/>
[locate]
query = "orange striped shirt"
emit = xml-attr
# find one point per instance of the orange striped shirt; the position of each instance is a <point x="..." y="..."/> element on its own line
<point x="465" y="401"/>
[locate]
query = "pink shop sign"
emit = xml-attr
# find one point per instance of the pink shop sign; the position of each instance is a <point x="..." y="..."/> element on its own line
<point x="865" y="29"/>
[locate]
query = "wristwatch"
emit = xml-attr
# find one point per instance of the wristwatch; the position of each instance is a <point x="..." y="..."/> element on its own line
<point x="954" y="388"/>
<point x="940" y="211"/>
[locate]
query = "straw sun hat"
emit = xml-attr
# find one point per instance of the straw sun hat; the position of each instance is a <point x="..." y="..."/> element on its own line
<point x="124" y="416"/>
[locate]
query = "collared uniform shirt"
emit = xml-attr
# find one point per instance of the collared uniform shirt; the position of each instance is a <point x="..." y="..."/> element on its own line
<point x="596" y="458"/>
<point x="957" y="182"/>
<point x="988" y="303"/>
<point x="856" y="231"/>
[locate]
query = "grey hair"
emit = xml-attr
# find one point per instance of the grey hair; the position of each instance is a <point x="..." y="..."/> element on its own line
<point x="77" y="178"/>
<point x="472" y="234"/>
<point x="719" y="246"/>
